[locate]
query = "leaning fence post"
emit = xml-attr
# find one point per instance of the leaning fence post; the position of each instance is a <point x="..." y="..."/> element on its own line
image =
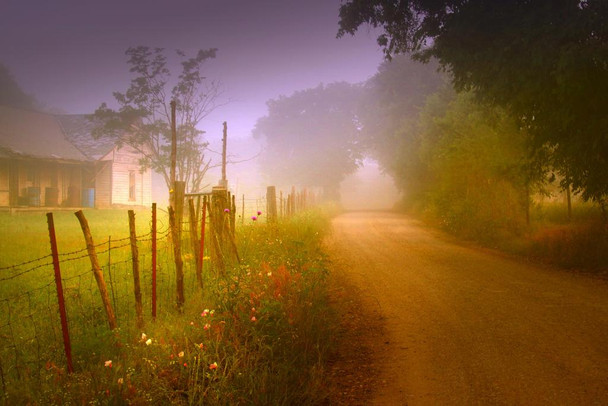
<point x="135" y="259"/>
<point x="154" y="261"/>
<point x="101" y="284"/>
<point x="62" y="313"/>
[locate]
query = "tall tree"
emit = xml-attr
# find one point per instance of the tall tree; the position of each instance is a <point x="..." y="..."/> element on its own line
<point x="312" y="137"/>
<point x="393" y="99"/>
<point x="544" y="61"/>
<point x="143" y="119"/>
<point x="11" y="93"/>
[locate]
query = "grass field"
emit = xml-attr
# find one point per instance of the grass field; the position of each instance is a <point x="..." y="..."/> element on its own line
<point x="257" y="334"/>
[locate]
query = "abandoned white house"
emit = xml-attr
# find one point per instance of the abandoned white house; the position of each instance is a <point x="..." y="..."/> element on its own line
<point x="54" y="161"/>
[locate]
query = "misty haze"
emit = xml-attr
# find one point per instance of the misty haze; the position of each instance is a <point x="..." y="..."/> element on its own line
<point x="326" y="202"/>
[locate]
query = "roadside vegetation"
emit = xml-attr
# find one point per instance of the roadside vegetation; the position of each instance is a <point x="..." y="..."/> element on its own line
<point x="259" y="334"/>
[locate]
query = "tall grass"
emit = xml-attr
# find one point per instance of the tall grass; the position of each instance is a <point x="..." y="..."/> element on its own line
<point x="257" y="334"/>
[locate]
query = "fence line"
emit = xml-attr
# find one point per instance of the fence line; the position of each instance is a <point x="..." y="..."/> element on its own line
<point x="32" y="332"/>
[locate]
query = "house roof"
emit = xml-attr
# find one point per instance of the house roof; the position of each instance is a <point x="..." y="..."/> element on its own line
<point x="78" y="130"/>
<point x="40" y="135"/>
<point x="34" y="134"/>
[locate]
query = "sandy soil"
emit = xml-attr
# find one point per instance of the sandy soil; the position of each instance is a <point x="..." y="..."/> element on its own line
<point x="426" y="321"/>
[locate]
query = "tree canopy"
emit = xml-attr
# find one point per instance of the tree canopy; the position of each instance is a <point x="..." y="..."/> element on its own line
<point x="143" y="119"/>
<point x="11" y="93"/>
<point x="312" y="137"/>
<point x="544" y="61"/>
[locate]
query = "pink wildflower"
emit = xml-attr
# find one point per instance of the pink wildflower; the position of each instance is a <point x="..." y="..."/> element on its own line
<point x="108" y="363"/>
<point x="259" y="213"/>
<point x="254" y="218"/>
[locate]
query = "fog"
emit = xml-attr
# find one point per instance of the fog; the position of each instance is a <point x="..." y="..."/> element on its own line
<point x="368" y="189"/>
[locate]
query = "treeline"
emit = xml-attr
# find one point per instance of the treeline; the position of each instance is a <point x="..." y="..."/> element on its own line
<point x="465" y="164"/>
<point x="518" y="110"/>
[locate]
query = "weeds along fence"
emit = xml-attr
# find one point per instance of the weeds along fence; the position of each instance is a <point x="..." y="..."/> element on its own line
<point x="51" y="314"/>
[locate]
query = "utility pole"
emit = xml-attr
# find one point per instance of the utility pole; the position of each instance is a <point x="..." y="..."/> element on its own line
<point x="224" y="181"/>
<point x="173" y="156"/>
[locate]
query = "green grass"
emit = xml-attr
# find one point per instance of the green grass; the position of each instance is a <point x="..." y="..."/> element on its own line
<point x="268" y="334"/>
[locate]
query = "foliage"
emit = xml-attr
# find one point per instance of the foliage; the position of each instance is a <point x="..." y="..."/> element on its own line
<point x="258" y="334"/>
<point x="476" y="182"/>
<point x="543" y="61"/>
<point x="312" y="137"/>
<point x="143" y="120"/>
<point x="11" y="93"/>
<point x="393" y="99"/>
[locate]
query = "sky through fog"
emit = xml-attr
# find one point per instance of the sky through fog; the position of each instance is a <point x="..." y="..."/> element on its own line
<point x="70" y="53"/>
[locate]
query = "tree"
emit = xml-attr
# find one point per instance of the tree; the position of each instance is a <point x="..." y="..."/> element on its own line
<point x="143" y="120"/>
<point x="544" y="61"/>
<point x="11" y="93"/>
<point x="393" y="99"/>
<point x="312" y="137"/>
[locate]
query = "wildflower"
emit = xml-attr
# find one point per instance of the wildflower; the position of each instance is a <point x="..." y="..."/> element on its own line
<point x="254" y="218"/>
<point x="253" y="319"/>
<point x="144" y="337"/>
<point x="207" y="326"/>
<point x="192" y="323"/>
<point x="149" y="341"/>
<point x="212" y="312"/>
<point x="213" y="366"/>
<point x="205" y="313"/>
<point x="269" y="274"/>
<point x="121" y="381"/>
<point x="181" y="354"/>
<point x="226" y="210"/>
<point x="108" y="363"/>
<point x="185" y="364"/>
<point x="253" y="309"/>
<point x="259" y="213"/>
<point x="200" y="345"/>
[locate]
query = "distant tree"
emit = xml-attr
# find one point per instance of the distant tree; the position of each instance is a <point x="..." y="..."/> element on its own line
<point x="11" y="93"/>
<point x="393" y="99"/>
<point x="312" y="137"/>
<point x="544" y="61"/>
<point x="143" y="119"/>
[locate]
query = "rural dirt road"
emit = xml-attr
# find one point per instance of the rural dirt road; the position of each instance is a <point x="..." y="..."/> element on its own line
<point x="439" y="323"/>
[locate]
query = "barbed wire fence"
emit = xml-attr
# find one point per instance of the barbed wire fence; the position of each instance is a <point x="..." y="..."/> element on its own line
<point x="31" y="336"/>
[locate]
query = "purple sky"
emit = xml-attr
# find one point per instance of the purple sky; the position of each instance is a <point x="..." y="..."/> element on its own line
<point x="70" y="53"/>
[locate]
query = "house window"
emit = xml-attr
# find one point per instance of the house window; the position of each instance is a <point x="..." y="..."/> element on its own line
<point x="132" y="185"/>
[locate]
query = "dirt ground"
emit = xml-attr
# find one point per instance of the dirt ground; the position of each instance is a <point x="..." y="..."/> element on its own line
<point x="426" y="321"/>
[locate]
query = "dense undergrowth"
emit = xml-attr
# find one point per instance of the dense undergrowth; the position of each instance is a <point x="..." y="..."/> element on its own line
<point x="579" y="242"/>
<point x="259" y="334"/>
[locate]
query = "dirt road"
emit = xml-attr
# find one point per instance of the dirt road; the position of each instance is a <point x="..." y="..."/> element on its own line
<point x="464" y="326"/>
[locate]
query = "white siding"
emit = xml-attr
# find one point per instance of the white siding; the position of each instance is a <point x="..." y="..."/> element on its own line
<point x="125" y="160"/>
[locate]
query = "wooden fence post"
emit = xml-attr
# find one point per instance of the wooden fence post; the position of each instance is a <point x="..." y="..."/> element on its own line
<point x="243" y="211"/>
<point x="154" y="261"/>
<point x="135" y="259"/>
<point x="101" y="284"/>
<point x="177" y="254"/>
<point x="233" y="217"/>
<point x="180" y="189"/>
<point x="194" y="242"/>
<point x="62" y="313"/>
<point x="271" y="200"/>
<point x="110" y="273"/>
<point x="202" y="247"/>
